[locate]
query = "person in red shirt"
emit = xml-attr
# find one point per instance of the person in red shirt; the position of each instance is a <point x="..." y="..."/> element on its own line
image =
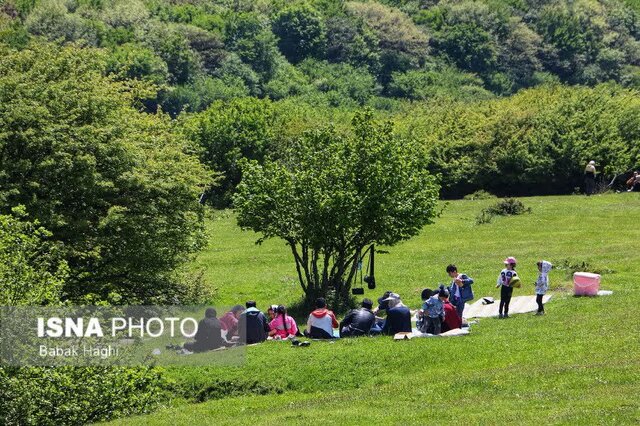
<point x="229" y="321"/>
<point x="451" y="318"/>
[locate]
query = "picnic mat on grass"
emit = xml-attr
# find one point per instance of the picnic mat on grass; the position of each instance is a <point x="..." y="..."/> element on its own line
<point x="450" y="333"/>
<point x="518" y="305"/>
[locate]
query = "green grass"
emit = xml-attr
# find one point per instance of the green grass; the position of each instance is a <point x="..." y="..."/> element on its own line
<point x="579" y="364"/>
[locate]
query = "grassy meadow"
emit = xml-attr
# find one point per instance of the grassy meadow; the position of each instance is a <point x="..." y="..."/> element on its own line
<point x="579" y="364"/>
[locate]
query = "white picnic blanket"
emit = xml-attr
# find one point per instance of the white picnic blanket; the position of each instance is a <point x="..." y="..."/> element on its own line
<point x="518" y="305"/>
<point x="450" y="333"/>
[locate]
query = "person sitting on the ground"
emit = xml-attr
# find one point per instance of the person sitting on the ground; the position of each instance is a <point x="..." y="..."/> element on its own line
<point x="383" y="303"/>
<point x="271" y="312"/>
<point x="358" y="322"/>
<point x="321" y="321"/>
<point x="421" y="321"/>
<point x="633" y="184"/>
<point x="451" y="318"/>
<point x="209" y="334"/>
<point x="282" y="326"/>
<point x="383" y="306"/>
<point x="398" y="317"/>
<point x="253" y="326"/>
<point x="229" y="321"/>
<point x="434" y="310"/>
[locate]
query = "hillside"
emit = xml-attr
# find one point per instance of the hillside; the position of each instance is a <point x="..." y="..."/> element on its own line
<point x="570" y="366"/>
<point x="340" y="53"/>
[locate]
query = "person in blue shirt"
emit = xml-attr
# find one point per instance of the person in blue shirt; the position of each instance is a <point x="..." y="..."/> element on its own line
<point x="433" y="309"/>
<point x="460" y="290"/>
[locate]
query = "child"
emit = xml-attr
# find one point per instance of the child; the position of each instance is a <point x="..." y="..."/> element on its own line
<point x="434" y="311"/>
<point x="542" y="284"/>
<point x="460" y="290"/>
<point x="282" y="326"/>
<point x="421" y="323"/>
<point x="504" y="281"/>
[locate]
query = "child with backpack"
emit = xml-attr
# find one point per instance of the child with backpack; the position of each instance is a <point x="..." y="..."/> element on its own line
<point x="542" y="284"/>
<point x="507" y="280"/>
<point x="433" y="309"/>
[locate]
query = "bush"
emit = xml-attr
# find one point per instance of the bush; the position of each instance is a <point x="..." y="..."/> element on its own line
<point x="506" y="207"/>
<point x="32" y="269"/>
<point x="77" y="395"/>
<point x="117" y="187"/>
<point x="480" y="194"/>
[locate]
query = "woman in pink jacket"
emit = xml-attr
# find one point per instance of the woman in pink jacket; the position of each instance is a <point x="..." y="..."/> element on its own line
<point x="282" y="326"/>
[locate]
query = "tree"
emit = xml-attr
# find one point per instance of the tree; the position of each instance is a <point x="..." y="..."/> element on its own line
<point x="349" y="40"/>
<point x="402" y="44"/>
<point x="301" y="32"/>
<point x="32" y="270"/>
<point x="117" y="187"/>
<point x="227" y="132"/>
<point x="332" y="195"/>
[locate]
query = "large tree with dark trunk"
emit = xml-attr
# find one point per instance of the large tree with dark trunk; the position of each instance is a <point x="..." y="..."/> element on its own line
<point x="330" y="195"/>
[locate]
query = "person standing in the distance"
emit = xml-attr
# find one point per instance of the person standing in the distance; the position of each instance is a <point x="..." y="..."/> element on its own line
<point x="590" y="178"/>
<point x="542" y="284"/>
<point x="506" y="288"/>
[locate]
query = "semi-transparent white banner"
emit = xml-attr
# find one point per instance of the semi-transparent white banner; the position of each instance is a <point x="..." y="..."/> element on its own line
<point x="118" y="335"/>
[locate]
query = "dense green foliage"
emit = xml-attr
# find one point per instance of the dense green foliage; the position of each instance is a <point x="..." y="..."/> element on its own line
<point x="536" y="142"/>
<point x="243" y="47"/>
<point x="116" y="187"/>
<point x="32" y="270"/>
<point x="328" y="197"/>
<point x="313" y="61"/>
<point x="77" y="395"/>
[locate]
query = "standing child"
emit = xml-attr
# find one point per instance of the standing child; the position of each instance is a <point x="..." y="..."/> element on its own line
<point x="460" y="290"/>
<point x="505" y="281"/>
<point x="542" y="284"/>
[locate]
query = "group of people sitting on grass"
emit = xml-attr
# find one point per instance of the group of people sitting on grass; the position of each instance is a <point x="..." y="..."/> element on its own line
<point x="442" y="310"/>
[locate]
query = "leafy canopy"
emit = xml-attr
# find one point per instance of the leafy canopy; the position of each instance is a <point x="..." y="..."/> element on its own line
<point x="330" y="195"/>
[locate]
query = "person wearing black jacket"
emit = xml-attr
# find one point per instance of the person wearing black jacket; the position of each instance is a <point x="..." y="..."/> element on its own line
<point x="209" y="334"/>
<point x="398" y="318"/>
<point x="253" y="326"/>
<point x="358" y="322"/>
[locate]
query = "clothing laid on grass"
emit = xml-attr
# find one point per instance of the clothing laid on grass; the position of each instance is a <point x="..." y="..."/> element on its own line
<point x="504" y="281"/>
<point x="253" y="326"/>
<point x="458" y="295"/>
<point x="321" y="323"/>
<point x="358" y="322"/>
<point x="208" y="336"/>
<point x="398" y="320"/>
<point x="229" y="323"/>
<point x="284" y="328"/>
<point x="542" y="284"/>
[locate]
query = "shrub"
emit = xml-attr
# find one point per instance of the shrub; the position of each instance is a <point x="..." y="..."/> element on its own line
<point x="32" y="269"/>
<point x="506" y="207"/>
<point x="480" y="194"/>
<point x="77" y="395"/>
<point x="117" y="187"/>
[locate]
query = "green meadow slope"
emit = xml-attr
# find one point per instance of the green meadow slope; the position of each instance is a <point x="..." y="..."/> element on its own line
<point x="579" y="364"/>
